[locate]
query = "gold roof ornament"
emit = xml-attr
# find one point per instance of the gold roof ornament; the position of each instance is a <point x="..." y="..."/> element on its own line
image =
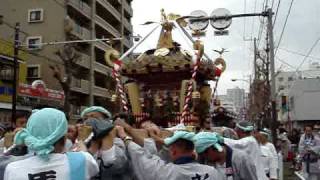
<point x="110" y="56"/>
<point x="220" y="61"/>
<point x="180" y="20"/>
<point x="165" y="39"/>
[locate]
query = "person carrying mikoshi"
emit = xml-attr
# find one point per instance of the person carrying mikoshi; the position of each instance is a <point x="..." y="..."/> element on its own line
<point x="45" y="136"/>
<point x="183" y="166"/>
<point x="249" y="144"/>
<point x="232" y="164"/>
<point x="105" y="146"/>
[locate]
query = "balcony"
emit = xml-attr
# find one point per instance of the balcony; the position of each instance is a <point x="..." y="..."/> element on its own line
<point x="81" y="6"/>
<point x="102" y="68"/>
<point x="84" y="60"/>
<point x="127" y="42"/>
<point x="127" y="25"/>
<point x="105" y="25"/>
<point x="102" y="45"/>
<point x="127" y="8"/>
<point x="102" y="92"/>
<point x="79" y="31"/>
<point x="80" y="85"/>
<point x="110" y="8"/>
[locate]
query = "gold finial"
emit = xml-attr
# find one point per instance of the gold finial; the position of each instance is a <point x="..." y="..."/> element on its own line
<point x="165" y="39"/>
<point x="164" y="18"/>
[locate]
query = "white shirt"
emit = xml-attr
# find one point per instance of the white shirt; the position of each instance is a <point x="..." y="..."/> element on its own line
<point x="151" y="167"/>
<point x="57" y="166"/>
<point x="266" y="159"/>
<point x="251" y="147"/>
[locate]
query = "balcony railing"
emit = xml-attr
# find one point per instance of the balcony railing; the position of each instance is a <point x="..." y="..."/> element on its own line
<point x="102" y="92"/>
<point x="79" y="31"/>
<point x="80" y="85"/>
<point x="107" y="26"/>
<point x="102" y="45"/>
<point x="103" y="69"/>
<point x="84" y="60"/>
<point x="127" y="42"/>
<point x="127" y="25"/>
<point x="80" y="6"/>
<point x="110" y="8"/>
<point x="127" y="7"/>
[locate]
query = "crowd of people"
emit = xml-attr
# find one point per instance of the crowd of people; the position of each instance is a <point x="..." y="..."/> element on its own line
<point x="106" y="147"/>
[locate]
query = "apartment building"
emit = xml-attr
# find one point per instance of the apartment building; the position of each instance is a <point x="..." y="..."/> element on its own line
<point x="61" y="20"/>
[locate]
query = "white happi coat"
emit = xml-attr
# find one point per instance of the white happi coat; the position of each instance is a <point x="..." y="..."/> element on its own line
<point x="113" y="163"/>
<point x="57" y="167"/>
<point x="148" y="166"/>
<point x="252" y="148"/>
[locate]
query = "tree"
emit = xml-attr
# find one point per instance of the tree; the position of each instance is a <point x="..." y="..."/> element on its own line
<point x="69" y="57"/>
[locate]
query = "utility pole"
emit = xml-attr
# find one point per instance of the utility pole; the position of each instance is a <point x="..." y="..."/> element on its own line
<point x="255" y="57"/>
<point x="15" y="72"/>
<point x="272" y="73"/>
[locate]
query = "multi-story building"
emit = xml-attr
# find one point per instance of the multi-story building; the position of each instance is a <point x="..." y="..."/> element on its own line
<point x="303" y="102"/>
<point x="237" y="96"/>
<point x="289" y="83"/>
<point x="6" y="77"/>
<point x="63" y="20"/>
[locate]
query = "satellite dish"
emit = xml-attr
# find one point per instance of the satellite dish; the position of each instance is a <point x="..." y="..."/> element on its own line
<point x="221" y="24"/>
<point x="198" y="25"/>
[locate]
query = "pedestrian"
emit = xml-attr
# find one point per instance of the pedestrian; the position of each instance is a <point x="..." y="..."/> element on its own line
<point x="230" y="163"/>
<point x="269" y="154"/>
<point x="45" y="136"/>
<point x="249" y="144"/>
<point x="308" y="146"/>
<point x="182" y="167"/>
<point x="96" y="112"/>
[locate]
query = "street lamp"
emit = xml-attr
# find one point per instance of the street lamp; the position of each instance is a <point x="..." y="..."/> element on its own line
<point x="245" y="80"/>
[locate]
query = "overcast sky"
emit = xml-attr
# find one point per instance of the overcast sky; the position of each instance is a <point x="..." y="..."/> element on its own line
<point x="302" y="30"/>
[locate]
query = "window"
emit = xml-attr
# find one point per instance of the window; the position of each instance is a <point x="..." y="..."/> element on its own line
<point x="35" y="15"/>
<point x="280" y="79"/>
<point x="281" y="87"/>
<point x="34" y="42"/>
<point x="6" y="73"/>
<point x="290" y="78"/>
<point x="33" y="71"/>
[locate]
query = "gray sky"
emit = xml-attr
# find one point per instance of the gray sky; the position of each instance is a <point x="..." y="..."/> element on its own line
<point x="302" y="30"/>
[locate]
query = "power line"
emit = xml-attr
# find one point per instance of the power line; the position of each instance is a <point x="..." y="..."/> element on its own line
<point x="298" y="53"/>
<point x="272" y="3"/>
<point x="284" y="26"/>
<point x="275" y="17"/>
<point x="253" y="19"/>
<point x="309" y="52"/>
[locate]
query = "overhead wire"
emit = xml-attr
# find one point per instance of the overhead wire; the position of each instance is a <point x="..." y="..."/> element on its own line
<point x="253" y="19"/>
<point x="298" y="53"/>
<point x="272" y="3"/>
<point x="284" y="26"/>
<point x="276" y="15"/>
<point x="309" y="52"/>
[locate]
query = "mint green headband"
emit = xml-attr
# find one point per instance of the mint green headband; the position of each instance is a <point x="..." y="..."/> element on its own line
<point x="248" y="128"/>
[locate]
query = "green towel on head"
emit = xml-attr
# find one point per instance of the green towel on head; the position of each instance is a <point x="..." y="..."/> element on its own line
<point x="44" y="128"/>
